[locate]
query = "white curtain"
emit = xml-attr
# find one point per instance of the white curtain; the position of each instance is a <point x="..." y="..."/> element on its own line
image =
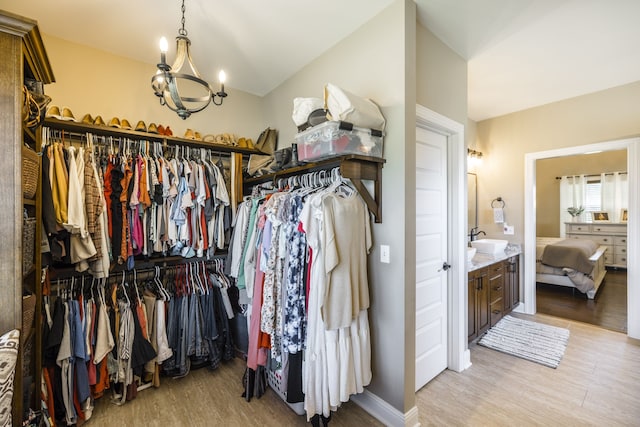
<point x="615" y="194"/>
<point x="572" y="194"/>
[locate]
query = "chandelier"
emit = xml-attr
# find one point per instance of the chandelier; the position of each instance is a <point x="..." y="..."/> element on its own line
<point x="183" y="91"/>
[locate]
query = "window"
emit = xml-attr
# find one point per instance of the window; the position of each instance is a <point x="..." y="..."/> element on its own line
<point x="593" y="196"/>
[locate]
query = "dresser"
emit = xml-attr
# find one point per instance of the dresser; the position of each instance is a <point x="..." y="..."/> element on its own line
<point x="612" y="235"/>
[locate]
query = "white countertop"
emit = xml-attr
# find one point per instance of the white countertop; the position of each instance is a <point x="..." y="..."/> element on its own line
<point x="482" y="260"/>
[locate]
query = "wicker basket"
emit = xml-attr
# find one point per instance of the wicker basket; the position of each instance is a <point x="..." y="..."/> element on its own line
<point x="30" y="167"/>
<point x="28" y="244"/>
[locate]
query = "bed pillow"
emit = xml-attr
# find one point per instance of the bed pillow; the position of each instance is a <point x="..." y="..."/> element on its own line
<point x="8" y="356"/>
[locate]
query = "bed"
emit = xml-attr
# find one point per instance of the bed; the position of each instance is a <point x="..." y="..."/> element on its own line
<point x="575" y="263"/>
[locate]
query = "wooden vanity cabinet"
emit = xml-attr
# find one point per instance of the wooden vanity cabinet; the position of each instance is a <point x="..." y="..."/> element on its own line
<point x="493" y="291"/>
<point x="478" y="303"/>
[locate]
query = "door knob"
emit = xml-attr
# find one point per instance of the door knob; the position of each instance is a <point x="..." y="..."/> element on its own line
<point x="445" y="266"/>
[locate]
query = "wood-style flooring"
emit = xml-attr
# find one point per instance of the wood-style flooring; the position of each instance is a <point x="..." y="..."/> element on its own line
<point x="607" y="310"/>
<point x="596" y="384"/>
<point x="207" y="398"/>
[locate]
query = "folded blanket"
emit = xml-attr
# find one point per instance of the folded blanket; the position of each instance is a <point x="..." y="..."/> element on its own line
<point x="570" y="253"/>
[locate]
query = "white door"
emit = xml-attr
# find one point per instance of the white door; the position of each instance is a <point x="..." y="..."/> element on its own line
<point x="431" y="255"/>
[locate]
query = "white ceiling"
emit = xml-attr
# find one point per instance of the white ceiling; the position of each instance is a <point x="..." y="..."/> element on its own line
<point x="521" y="53"/>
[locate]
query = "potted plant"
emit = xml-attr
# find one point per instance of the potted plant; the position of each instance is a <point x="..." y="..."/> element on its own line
<point x="575" y="212"/>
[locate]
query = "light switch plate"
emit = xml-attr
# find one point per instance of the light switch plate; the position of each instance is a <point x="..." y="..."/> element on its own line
<point x="384" y="254"/>
<point x="508" y="229"/>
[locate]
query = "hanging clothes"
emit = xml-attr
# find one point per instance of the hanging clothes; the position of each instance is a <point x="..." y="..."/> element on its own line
<point x="308" y="247"/>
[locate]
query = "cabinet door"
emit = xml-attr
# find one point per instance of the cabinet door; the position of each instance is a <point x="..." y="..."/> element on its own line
<point x="512" y="284"/>
<point x="482" y="301"/>
<point x="472" y="318"/>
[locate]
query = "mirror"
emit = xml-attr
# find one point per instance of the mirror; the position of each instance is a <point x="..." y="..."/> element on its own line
<point x="472" y="188"/>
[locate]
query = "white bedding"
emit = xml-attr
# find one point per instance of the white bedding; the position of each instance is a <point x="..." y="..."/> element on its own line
<point x="586" y="283"/>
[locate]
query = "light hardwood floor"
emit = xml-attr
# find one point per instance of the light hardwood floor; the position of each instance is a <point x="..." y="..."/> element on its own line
<point x="597" y="383"/>
<point x="207" y="398"/>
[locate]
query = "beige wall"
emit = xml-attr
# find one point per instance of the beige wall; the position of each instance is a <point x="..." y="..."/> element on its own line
<point x="548" y="187"/>
<point x="441" y="77"/>
<point x="601" y="116"/>
<point x="97" y="82"/>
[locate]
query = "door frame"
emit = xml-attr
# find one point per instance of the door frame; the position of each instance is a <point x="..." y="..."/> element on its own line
<point x="632" y="145"/>
<point x="458" y="355"/>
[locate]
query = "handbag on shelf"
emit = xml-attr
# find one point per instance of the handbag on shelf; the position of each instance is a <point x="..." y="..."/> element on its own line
<point x="34" y="107"/>
<point x="267" y="141"/>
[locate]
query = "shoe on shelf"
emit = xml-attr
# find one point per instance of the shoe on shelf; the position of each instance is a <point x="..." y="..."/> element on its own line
<point x="115" y="123"/>
<point x="98" y="121"/>
<point x="54" y="111"/>
<point x="67" y="115"/>
<point x="124" y="124"/>
<point x="141" y="126"/>
<point x="160" y="130"/>
<point x="168" y="131"/>
<point x="189" y="134"/>
<point x="87" y="119"/>
<point x="197" y="136"/>
<point x="152" y="128"/>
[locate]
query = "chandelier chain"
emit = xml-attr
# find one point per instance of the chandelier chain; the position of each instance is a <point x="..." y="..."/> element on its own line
<point x="182" y="30"/>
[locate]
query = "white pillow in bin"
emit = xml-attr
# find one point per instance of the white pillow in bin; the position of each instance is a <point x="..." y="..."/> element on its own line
<point x="347" y="107"/>
<point x="9" y="343"/>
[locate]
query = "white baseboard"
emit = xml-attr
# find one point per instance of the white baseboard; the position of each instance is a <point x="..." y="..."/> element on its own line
<point x="384" y="412"/>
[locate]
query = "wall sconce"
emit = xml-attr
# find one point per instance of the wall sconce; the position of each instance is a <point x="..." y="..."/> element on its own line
<point x="474" y="157"/>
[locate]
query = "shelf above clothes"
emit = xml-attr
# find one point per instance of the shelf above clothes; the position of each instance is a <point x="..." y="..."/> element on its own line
<point x="82" y="128"/>
<point x="355" y="167"/>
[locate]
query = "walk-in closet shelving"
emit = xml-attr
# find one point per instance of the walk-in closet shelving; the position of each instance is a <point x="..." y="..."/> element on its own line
<point x="355" y="167"/>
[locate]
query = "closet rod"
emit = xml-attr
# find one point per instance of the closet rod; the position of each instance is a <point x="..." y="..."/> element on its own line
<point x="163" y="262"/>
<point x="593" y="175"/>
<point x="141" y="273"/>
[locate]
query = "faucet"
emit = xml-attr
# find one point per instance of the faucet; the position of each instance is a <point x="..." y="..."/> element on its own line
<point x="474" y="233"/>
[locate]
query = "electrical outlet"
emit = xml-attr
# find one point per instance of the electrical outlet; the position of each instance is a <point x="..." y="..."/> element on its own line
<point x="508" y="229"/>
<point x="384" y="254"/>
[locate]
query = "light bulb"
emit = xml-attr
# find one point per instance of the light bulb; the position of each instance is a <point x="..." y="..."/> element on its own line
<point x="164" y="45"/>
<point x="222" y="76"/>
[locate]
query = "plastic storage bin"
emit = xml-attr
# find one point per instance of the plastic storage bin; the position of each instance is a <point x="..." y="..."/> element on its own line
<point x="335" y="138"/>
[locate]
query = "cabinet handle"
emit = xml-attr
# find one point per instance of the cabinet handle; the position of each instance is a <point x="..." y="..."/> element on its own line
<point x="623" y="250"/>
<point x="598" y="229"/>
<point x="497" y="288"/>
<point x="496" y="312"/>
<point x="605" y="240"/>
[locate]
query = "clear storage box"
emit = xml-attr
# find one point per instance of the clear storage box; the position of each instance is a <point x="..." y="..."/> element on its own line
<point x="335" y="138"/>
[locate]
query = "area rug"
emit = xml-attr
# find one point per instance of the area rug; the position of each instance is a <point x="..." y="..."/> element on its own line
<point x="528" y="340"/>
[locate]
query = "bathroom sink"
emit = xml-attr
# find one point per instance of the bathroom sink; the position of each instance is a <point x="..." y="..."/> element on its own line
<point x="490" y="246"/>
<point x="470" y="253"/>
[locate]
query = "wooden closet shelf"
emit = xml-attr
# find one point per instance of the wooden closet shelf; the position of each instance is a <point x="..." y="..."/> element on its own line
<point x="352" y="166"/>
<point x="82" y="128"/>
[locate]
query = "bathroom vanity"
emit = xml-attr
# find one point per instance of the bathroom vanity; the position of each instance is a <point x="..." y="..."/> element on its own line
<point x="493" y="288"/>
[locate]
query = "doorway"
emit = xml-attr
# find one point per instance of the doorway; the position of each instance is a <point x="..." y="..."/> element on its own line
<point x="633" y="168"/>
<point x="609" y="308"/>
